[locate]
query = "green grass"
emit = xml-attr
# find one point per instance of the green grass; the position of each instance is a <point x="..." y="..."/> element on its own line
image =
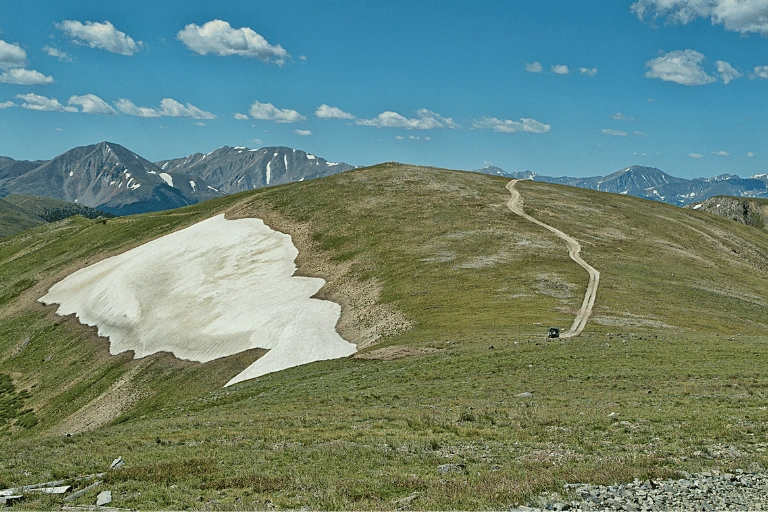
<point x="668" y="375"/>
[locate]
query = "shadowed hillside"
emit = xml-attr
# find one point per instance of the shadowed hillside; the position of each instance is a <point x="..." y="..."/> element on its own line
<point x="429" y="264"/>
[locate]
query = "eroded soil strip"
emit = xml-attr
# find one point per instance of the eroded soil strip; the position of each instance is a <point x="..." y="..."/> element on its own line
<point x="574" y="248"/>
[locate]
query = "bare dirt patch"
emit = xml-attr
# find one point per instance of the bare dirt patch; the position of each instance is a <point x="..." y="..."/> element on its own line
<point x="117" y="399"/>
<point x="395" y="352"/>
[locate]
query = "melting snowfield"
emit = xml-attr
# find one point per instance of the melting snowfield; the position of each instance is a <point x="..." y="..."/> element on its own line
<point x="211" y="290"/>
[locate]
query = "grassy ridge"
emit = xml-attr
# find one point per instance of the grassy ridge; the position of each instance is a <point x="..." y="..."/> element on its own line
<point x="667" y="376"/>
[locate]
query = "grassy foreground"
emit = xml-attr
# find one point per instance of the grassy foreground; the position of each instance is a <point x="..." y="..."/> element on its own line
<point x="668" y="375"/>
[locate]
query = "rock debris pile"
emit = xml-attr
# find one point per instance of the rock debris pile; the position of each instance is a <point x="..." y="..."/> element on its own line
<point x="706" y="491"/>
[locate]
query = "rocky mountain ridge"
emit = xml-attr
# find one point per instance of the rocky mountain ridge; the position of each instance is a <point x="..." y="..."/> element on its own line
<point x="654" y="184"/>
<point x="116" y="180"/>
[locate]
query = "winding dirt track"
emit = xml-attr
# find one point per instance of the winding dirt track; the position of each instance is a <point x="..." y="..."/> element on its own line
<point x="574" y="248"/>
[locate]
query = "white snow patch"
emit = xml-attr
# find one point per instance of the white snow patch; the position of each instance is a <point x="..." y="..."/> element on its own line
<point x="269" y="171"/>
<point x="697" y="206"/>
<point x="310" y="157"/>
<point x="718" y="205"/>
<point x="331" y="164"/>
<point x="285" y="159"/>
<point x="302" y="179"/>
<point x="274" y="155"/>
<point x="165" y="165"/>
<point x="71" y="173"/>
<point x="192" y="184"/>
<point x="241" y="179"/>
<point x="167" y="178"/>
<point x="214" y="189"/>
<point x="252" y="150"/>
<point x="151" y="172"/>
<point x="191" y="293"/>
<point x="137" y="185"/>
<point x="239" y="147"/>
<point x="625" y="192"/>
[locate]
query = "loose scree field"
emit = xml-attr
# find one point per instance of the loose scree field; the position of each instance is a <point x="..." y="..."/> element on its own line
<point x="667" y="376"/>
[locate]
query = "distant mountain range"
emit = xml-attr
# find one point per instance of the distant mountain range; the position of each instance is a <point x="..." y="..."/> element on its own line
<point x="654" y="184"/>
<point x="112" y="178"/>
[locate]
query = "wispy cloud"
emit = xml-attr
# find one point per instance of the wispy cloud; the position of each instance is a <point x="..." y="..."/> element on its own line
<point x="268" y="112"/>
<point x="720" y="153"/>
<point x="42" y="103"/>
<point x="508" y="126"/>
<point x="103" y="36"/>
<point x="744" y="16"/>
<point x="326" y="112"/>
<point x="750" y="154"/>
<point x="12" y="56"/>
<point x="92" y="104"/>
<point x="217" y="37"/>
<point x="303" y="133"/>
<point x="618" y="116"/>
<point x="534" y="67"/>
<point x="241" y="117"/>
<point x="614" y="133"/>
<point x="55" y="52"/>
<point x="426" y="120"/>
<point x="21" y="76"/>
<point x="7" y="104"/>
<point x="168" y="108"/>
<point x="560" y="69"/>
<point x="681" y="67"/>
<point x="588" y="71"/>
<point x="639" y="134"/>
<point x="695" y="155"/>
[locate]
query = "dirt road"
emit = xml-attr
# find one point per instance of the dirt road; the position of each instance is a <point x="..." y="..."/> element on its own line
<point x="574" y="248"/>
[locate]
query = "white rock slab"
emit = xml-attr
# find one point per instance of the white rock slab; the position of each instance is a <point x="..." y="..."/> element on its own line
<point x="211" y="290"/>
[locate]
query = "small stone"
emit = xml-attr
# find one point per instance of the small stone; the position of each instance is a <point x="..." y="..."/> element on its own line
<point x="103" y="498"/>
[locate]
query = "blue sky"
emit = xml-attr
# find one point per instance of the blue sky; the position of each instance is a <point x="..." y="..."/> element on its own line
<point x="556" y="87"/>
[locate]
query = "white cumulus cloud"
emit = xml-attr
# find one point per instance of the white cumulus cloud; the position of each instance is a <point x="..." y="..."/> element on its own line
<point x="720" y="153"/>
<point x="55" y="52"/>
<point x="21" y="76"/>
<point x="7" y="104"/>
<point x="614" y="133"/>
<point x="217" y="37"/>
<point x="240" y="117"/>
<point x="168" y="108"/>
<point x="42" y="103"/>
<point x="12" y="56"/>
<point x="588" y="71"/>
<point x="744" y="16"/>
<point x="426" y="120"/>
<point x="269" y="112"/>
<point x="681" y="67"/>
<point x="303" y="133"/>
<point x="172" y="108"/>
<point x="750" y="154"/>
<point x="127" y="107"/>
<point x="560" y="69"/>
<point x="100" y="35"/>
<point x="695" y="155"/>
<point x="326" y="112"/>
<point x="727" y="72"/>
<point x="92" y="104"/>
<point x="508" y="126"/>
<point x="759" y="72"/>
<point x="534" y="67"/>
